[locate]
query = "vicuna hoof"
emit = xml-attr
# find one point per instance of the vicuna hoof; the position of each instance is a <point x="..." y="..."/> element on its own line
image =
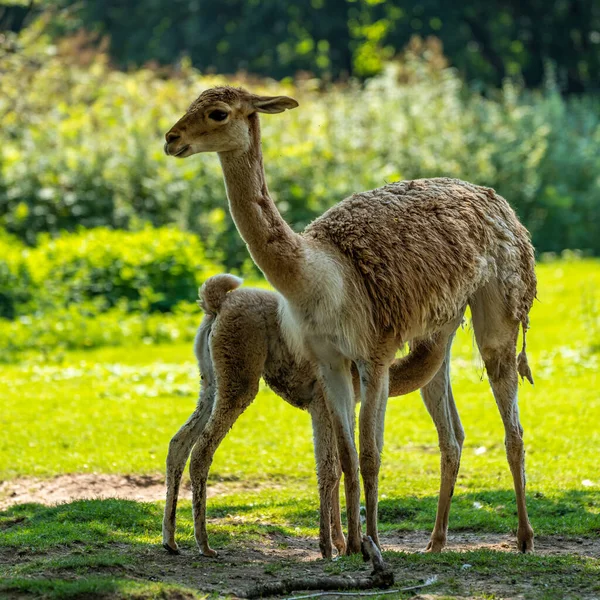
<point x="326" y="550"/>
<point x="353" y="547"/>
<point x="170" y="549"/>
<point x="435" y="546"/>
<point x="525" y="540"/>
<point x="209" y="553"/>
<point x="340" y="545"/>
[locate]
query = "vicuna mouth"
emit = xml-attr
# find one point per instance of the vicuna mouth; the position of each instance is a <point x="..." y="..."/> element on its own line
<point x="182" y="150"/>
<point x="178" y="153"/>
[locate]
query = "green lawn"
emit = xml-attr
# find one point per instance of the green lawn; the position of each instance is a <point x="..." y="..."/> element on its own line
<point x="114" y="411"/>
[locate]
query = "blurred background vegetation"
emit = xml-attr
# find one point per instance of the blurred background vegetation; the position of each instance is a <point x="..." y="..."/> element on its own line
<point x="96" y="224"/>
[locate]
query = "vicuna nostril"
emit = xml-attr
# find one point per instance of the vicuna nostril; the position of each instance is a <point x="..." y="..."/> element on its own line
<point x="171" y="137"/>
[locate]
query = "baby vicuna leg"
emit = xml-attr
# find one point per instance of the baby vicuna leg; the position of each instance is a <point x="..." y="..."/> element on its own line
<point x="238" y="368"/>
<point x="179" y="451"/>
<point x="231" y="403"/>
<point x="182" y="442"/>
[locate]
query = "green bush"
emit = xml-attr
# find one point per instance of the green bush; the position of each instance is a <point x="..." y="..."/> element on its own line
<point x="82" y="326"/>
<point x="15" y="278"/>
<point x="99" y="287"/>
<point x="149" y="270"/>
<point x="82" y="146"/>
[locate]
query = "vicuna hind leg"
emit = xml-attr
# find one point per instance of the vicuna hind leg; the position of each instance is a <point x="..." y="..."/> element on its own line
<point x="179" y="451"/>
<point x="237" y="367"/>
<point x="439" y="400"/>
<point x="233" y="397"/>
<point x="496" y="336"/>
<point x="182" y="442"/>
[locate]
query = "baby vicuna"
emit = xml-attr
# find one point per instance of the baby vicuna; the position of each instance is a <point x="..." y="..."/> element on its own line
<point x="238" y="342"/>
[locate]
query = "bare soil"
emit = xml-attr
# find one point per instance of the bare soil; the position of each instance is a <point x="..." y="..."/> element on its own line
<point x="87" y="486"/>
<point x="149" y="488"/>
<point x="275" y="556"/>
<point x="545" y="545"/>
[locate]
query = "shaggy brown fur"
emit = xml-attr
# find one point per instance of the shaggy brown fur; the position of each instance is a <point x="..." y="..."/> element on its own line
<point x="379" y="269"/>
<point x="239" y="340"/>
<point x="424" y="247"/>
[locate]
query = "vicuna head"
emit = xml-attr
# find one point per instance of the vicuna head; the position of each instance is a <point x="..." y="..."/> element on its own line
<point x="219" y="121"/>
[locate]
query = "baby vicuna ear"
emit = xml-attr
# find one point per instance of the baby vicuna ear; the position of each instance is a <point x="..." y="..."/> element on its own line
<point x="272" y="104"/>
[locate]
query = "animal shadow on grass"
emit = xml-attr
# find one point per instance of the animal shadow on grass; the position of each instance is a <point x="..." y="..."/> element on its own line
<point x="231" y="523"/>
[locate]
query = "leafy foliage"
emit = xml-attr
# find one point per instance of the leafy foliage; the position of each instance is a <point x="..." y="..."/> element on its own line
<point x="84" y="326"/>
<point x="149" y="270"/>
<point x="100" y="287"/>
<point x="15" y="279"/>
<point x="81" y="146"/>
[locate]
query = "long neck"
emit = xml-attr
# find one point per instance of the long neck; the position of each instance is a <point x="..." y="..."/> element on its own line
<point x="274" y="247"/>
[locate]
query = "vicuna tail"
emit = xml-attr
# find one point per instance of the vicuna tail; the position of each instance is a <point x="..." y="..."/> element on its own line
<point x="202" y="351"/>
<point x="522" y="364"/>
<point x="213" y="291"/>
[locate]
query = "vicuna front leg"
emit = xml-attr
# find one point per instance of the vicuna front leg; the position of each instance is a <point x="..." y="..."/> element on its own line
<point x="497" y="337"/>
<point x="233" y="397"/>
<point x="374" y="381"/>
<point x="328" y="474"/>
<point x="179" y="451"/>
<point x="439" y="400"/>
<point x="339" y="394"/>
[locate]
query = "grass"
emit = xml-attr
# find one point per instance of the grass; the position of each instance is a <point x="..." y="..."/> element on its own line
<point x="111" y="547"/>
<point x="114" y="410"/>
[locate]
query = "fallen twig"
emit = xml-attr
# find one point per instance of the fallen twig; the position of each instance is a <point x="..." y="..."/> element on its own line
<point x="428" y="582"/>
<point x="381" y="577"/>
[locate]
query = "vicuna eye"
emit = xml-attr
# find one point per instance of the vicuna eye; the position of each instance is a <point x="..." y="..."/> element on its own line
<point x="217" y="115"/>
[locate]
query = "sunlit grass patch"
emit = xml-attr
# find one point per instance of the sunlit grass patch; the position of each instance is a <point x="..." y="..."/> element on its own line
<point x="111" y="548"/>
<point x="114" y="410"/>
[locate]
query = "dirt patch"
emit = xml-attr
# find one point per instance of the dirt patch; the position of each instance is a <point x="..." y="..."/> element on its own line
<point x="87" y="486"/>
<point x="549" y="545"/>
<point x="275" y="556"/>
<point x="150" y="488"/>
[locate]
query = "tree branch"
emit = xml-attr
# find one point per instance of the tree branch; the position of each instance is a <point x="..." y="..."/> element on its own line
<point x="381" y="577"/>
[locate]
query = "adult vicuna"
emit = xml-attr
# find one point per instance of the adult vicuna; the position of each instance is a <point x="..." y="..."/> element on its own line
<point x="378" y="269"/>
<point x="238" y="342"/>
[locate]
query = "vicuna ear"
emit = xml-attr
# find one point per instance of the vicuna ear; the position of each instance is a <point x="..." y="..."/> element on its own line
<point x="272" y="104"/>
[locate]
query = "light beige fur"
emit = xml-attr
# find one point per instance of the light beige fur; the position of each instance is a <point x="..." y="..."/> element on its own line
<point x="377" y="270"/>
<point x="240" y="340"/>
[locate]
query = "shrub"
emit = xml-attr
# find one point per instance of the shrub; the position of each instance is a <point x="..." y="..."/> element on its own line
<point x="82" y="146"/>
<point x="148" y="270"/>
<point x="82" y="326"/>
<point x="15" y="279"/>
<point x="99" y="287"/>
